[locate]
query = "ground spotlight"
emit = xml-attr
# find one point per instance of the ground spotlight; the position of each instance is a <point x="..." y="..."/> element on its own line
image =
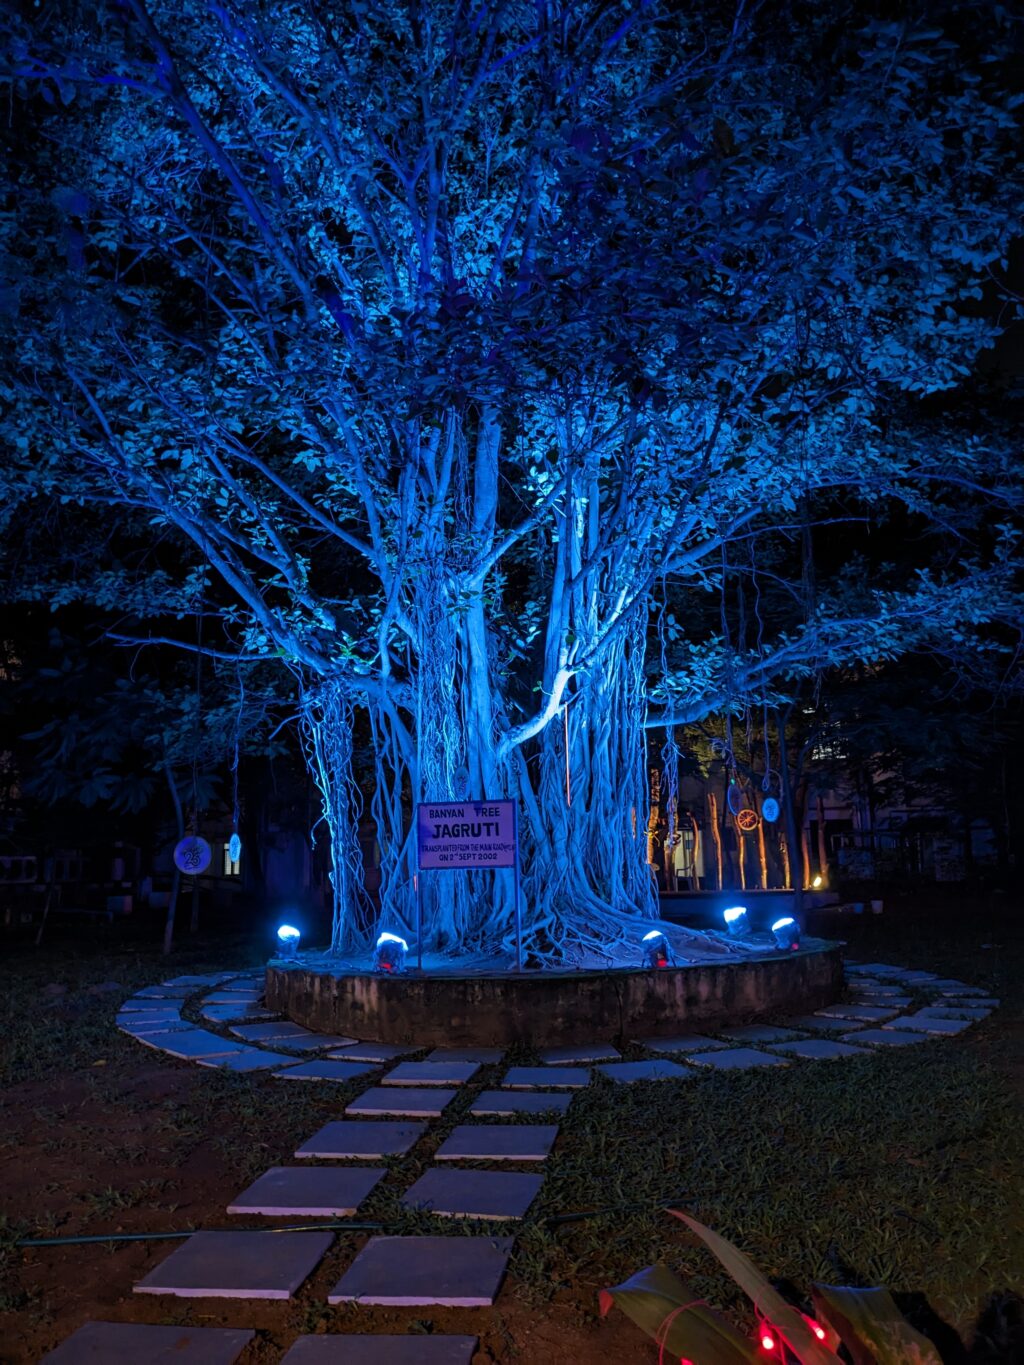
<point x="736" y="920"/>
<point x="288" y="937"/>
<point x="657" y="953"/>
<point x="389" y="955"/>
<point x="817" y="881"/>
<point x="786" y="933"/>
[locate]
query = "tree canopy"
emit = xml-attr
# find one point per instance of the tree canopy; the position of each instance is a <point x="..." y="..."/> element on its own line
<point x="464" y="349"/>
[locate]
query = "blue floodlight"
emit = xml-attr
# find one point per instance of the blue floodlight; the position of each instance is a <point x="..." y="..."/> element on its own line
<point x="786" y="933"/>
<point x="736" y="920"/>
<point x="390" y="953"/>
<point x="288" y="937"/>
<point x="656" y="950"/>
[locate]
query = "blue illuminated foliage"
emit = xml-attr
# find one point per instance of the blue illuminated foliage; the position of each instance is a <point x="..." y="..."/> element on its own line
<point x="454" y="346"/>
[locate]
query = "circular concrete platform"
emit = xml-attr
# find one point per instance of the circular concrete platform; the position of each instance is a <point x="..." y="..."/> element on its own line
<point x="549" y="1008"/>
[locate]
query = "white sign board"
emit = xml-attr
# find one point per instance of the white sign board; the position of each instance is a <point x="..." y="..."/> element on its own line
<point x="466" y="834"/>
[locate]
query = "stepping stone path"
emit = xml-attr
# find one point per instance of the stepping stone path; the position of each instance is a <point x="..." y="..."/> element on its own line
<point x="409" y="1272"/>
<point x="129" y="1343"/>
<point x="390" y="1118"/>
<point x="579" y="1055"/>
<point x="735" y="1059"/>
<point x="381" y="1350"/>
<point x="381" y="1053"/>
<point x="431" y="1073"/>
<point x="658" y="1069"/>
<point x="498" y="1142"/>
<point x="758" y="1033"/>
<point x="308" y="1191"/>
<point x="238" y="1265"/>
<point x="325" y="1071"/>
<point x="403" y="1101"/>
<point x="686" y="1042"/>
<point x="883" y="1037"/>
<point x="820" y="1049"/>
<point x="865" y="1014"/>
<point x="369" y="1141"/>
<point x="248" y="1059"/>
<point x="453" y="1193"/>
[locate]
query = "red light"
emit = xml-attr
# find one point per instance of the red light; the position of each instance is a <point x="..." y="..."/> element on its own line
<point x="818" y="1331"/>
<point x="767" y="1341"/>
<point x="386" y="966"/>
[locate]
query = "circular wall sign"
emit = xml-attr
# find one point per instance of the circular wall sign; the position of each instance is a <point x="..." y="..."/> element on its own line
<point x="770" y="810"/>
<point x="747" y="819"/>
<point x="234" y="848"/>
<point x="192" y="855"/>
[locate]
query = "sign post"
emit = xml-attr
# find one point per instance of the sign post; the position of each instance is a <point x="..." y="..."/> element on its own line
<point x="463" y="836"/>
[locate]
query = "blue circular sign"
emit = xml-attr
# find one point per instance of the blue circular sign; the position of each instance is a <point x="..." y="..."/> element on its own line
<point x="770" y="810"/>
<point x="192" y="855"/>
<point x="234" y="848"/>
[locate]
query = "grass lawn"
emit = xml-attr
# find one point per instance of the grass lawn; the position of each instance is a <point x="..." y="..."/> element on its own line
<point x="905" y="1167"/>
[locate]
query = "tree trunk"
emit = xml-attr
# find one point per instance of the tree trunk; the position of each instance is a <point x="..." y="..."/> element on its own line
<point x="179" y="824"/>
<point x="792" y="838"/>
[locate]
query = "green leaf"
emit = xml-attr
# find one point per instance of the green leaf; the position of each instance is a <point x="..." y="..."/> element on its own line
<point x="769" y="1303"/>
<point x="686" y="1329"/>
<point x="872" y="1328"/>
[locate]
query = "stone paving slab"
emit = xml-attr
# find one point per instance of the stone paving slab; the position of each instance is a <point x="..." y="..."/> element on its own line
<point x="963" y="991"/>
<point x="944" y="1010"/>
<point x="308" y="1191"/>
<point x="249" y="1059"/>
<point x="431" y="1073"/>
<point x="373" y="1052"/>
<point x="484" y="1056"/>
<point x="502" y="1102"/>
<point x="919" y="978"/>
<point x="163" y="993"/>
<point x="889" y="1002"/>
<point x="210" y="979"/>
<point x="402" y="1101"/>
<point x="546" y="1077"/>
<point x="152" y="1028"/>
<point x="191" y="1044"/>
<point x="814" y="1023"/>
<point x="921" y="1023"/>
<point x="651" y="1069"/>
<point x="237" y="1265"/>
<point x="226" y="997"/>
<point x="131" y="1343"/>
<point x="819" y="1049"/>
<point x="864" y="1014"/>
<point x="314" y="1042"/>
<point x="736" y="1059"/>
<point x="382" y="1349"/>
<point x="579" y="1053"/>
<point x="454" y="1193"/>
<point x="149" y="1009"/>
<point x="407" y="1272"/>
<point x="227" y="1014"/>
<point x="498" y="1142"/>
<point x="325" y="1071"/>
<point x="883" y="1037"/>
<point x="365" y="1140"/>
<point x="259" y="1033"/>
<point x="685" y="1042"/>
<point x="759" y="1033"/>
<point x="987" y="1002"/>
